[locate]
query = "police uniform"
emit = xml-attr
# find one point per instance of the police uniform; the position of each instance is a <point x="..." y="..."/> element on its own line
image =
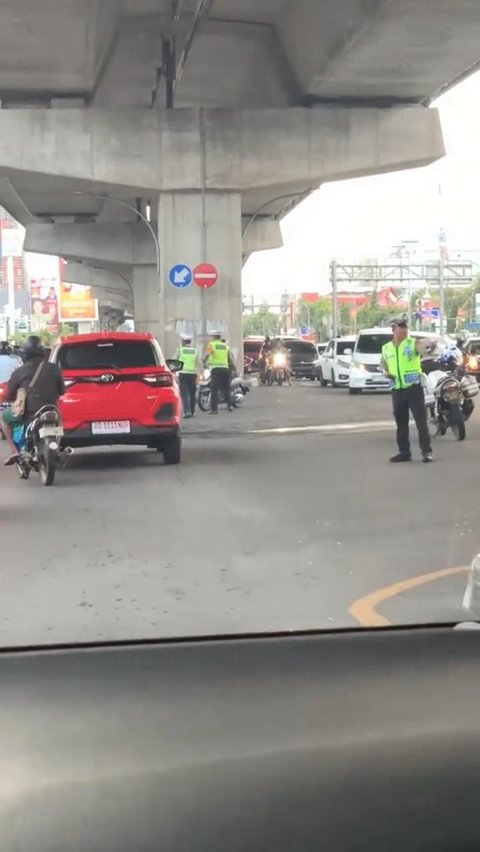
<point x="403" y="365"/>
<point x="218" y="361"/>
<point x="188" y="378"/>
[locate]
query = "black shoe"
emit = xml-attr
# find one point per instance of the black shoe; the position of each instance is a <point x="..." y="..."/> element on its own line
<point x="187" y="416"/>
<point x="401" y="457"/>
<point x="213" y="412"/>
<point x="230" y="407"/>
<point x="427" y="457"/>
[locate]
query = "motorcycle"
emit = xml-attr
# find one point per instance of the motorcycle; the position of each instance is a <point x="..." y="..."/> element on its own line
<point x="277" y="369"/>
<point x="38" y="444"/>
<point x="449" y="395"/>
<point x="238" y="390"/>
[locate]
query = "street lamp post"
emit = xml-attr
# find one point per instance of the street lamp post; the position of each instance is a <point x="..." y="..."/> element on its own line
<point x="138" y="213"/>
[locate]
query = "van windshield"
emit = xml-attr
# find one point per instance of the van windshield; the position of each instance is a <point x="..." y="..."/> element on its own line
<point x="371" y="344"/>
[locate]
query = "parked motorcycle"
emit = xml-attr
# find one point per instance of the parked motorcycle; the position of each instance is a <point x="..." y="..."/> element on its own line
<point x="449" y="395"/>
<point x="38" y="445"/>
<point x="277" y="369"/>
<point x="238" y="389"/>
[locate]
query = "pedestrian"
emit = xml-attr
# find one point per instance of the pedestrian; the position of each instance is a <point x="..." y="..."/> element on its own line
<point x="188" y="375"/>
<point x="218" y="360"/>
<point x="401" y="361"/>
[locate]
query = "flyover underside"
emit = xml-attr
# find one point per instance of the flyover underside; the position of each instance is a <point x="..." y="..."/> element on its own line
<point x="213" y="175"/>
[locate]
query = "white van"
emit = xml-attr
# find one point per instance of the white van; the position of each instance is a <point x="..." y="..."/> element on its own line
<point x="367" y="354"/>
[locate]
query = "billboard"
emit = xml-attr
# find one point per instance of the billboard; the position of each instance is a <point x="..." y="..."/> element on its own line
<point x="44" y="304"/>
<point x="77" y="303"/>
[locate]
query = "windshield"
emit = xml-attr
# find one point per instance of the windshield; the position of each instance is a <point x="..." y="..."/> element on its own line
<point x="113" y="354"/>
<point x="185" y="181"/>
<point x="371" y="344"/>
<point x="300" y="347"/>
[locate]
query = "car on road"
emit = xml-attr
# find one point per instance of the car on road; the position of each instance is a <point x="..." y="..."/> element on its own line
<point x="303" y="355"/>
<point x="251" y="353"/>
<point x="334" y="365"/>
<point x="365" y="373"/>
<point x="119" y="390"/>
<point x="471" y="359"/>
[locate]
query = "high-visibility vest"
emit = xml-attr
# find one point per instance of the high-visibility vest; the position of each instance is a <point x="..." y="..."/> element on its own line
<point x="218" y="354"/>
<point x="189" y="356"/>
<point x="403" y="363"/>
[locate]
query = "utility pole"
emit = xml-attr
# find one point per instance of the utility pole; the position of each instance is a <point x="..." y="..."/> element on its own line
<point x="333" y="269"/>
<point x="441" y="294"/>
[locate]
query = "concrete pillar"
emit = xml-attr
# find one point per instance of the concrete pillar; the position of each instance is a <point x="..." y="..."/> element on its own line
<point x="148" y="303"/>
<point x="196" y="228"/>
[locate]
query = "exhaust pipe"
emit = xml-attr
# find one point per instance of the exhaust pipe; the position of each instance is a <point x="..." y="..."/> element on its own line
<point x="69" y="451"/>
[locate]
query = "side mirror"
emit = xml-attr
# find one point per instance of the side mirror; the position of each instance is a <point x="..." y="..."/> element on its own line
<point x="174" y="365"/>
<point x="347" y="351"/>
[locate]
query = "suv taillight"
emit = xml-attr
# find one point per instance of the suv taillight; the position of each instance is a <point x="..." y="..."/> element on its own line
<point x="163" y="380"/>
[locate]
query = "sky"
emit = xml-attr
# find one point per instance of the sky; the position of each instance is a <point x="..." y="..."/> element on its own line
<point x="363" y="218"/>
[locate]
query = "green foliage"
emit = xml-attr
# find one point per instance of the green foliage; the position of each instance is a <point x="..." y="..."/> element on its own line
<point x="263" y="322"/>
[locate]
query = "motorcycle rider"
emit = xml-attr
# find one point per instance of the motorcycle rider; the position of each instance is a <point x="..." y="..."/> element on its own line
<point x="46" y="390"/>
<point x="401" y="361"/>
<point x="218" y="359"/>
<point x="265" y="352"/>
<point x="188" y="375"/>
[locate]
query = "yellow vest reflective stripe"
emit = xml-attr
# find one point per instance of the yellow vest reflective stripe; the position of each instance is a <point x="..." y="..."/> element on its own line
<point x="189" y="356"/>
<point x="218" y="355"/>
<point x="403" y="363"/>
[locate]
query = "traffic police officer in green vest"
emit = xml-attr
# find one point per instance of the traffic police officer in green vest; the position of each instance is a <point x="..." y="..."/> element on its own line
<point x="188" y="375"/>
<point x="401" y="361"/>
<point x="218" y="359"/>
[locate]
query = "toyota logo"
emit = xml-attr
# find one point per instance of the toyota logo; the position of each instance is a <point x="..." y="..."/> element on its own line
<point x="107" y="377"/>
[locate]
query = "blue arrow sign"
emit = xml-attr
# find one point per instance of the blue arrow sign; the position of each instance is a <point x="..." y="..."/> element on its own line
<point x="180" y="276"/>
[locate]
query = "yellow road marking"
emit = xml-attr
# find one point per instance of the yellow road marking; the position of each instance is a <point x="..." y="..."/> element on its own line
<point x="364" y="609"/>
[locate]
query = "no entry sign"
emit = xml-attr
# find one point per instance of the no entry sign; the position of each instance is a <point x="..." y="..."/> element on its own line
<point x="205" y="275"/>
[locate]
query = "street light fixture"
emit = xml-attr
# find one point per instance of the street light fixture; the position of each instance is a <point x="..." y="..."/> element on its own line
<point x="138" y="213"/>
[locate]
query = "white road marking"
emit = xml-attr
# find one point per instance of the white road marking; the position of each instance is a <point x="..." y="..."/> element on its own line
<point x="333" y="428"/>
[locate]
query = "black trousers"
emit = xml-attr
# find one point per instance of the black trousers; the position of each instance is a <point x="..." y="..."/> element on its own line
<point x="220" y="385"/>
<point x="188" y="392"/>
<point x="404" y="401"/>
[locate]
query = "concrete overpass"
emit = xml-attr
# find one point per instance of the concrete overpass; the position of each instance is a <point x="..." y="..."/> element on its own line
<point x="204" y="111"/>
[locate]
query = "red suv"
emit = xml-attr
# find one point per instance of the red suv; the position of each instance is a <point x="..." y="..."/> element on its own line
<point x="119" y="390"/>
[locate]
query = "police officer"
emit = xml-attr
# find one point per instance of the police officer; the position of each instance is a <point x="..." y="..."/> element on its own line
<point x="218" y="360"/>
<point x="188" y="375"/>
<point x="401" y="361"/>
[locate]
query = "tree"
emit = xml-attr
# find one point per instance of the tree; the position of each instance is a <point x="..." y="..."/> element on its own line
<point x="263" y="322"/>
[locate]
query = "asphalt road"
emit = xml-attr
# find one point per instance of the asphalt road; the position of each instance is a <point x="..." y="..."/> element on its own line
<point x="281" y="516"/>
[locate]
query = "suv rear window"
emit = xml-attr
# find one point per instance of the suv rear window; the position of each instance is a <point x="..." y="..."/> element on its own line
<point x="371" y="344"/>
<point x="252" y="347"/>
<point x="109" y="354"/>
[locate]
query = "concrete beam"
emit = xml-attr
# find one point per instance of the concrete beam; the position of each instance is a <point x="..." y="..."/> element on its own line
<point x="233" y="151"/>
<point x="106" y="279"/>
<point x="126" y="245"/>
<point x="260" y="235"/>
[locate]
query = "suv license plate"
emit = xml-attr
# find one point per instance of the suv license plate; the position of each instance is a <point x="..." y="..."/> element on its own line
<point x="111" y="427"/>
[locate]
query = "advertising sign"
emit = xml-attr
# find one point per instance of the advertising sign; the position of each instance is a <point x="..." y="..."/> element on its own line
<point x="44" y="304"/>
<point x="77" y="303"/>
<point x="12" y="236"/>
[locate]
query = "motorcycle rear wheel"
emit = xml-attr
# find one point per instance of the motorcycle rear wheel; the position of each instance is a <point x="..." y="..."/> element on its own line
<point x="46" y="463"/>
<point x="457" y="423"/>
<point x="204" y="400"/>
